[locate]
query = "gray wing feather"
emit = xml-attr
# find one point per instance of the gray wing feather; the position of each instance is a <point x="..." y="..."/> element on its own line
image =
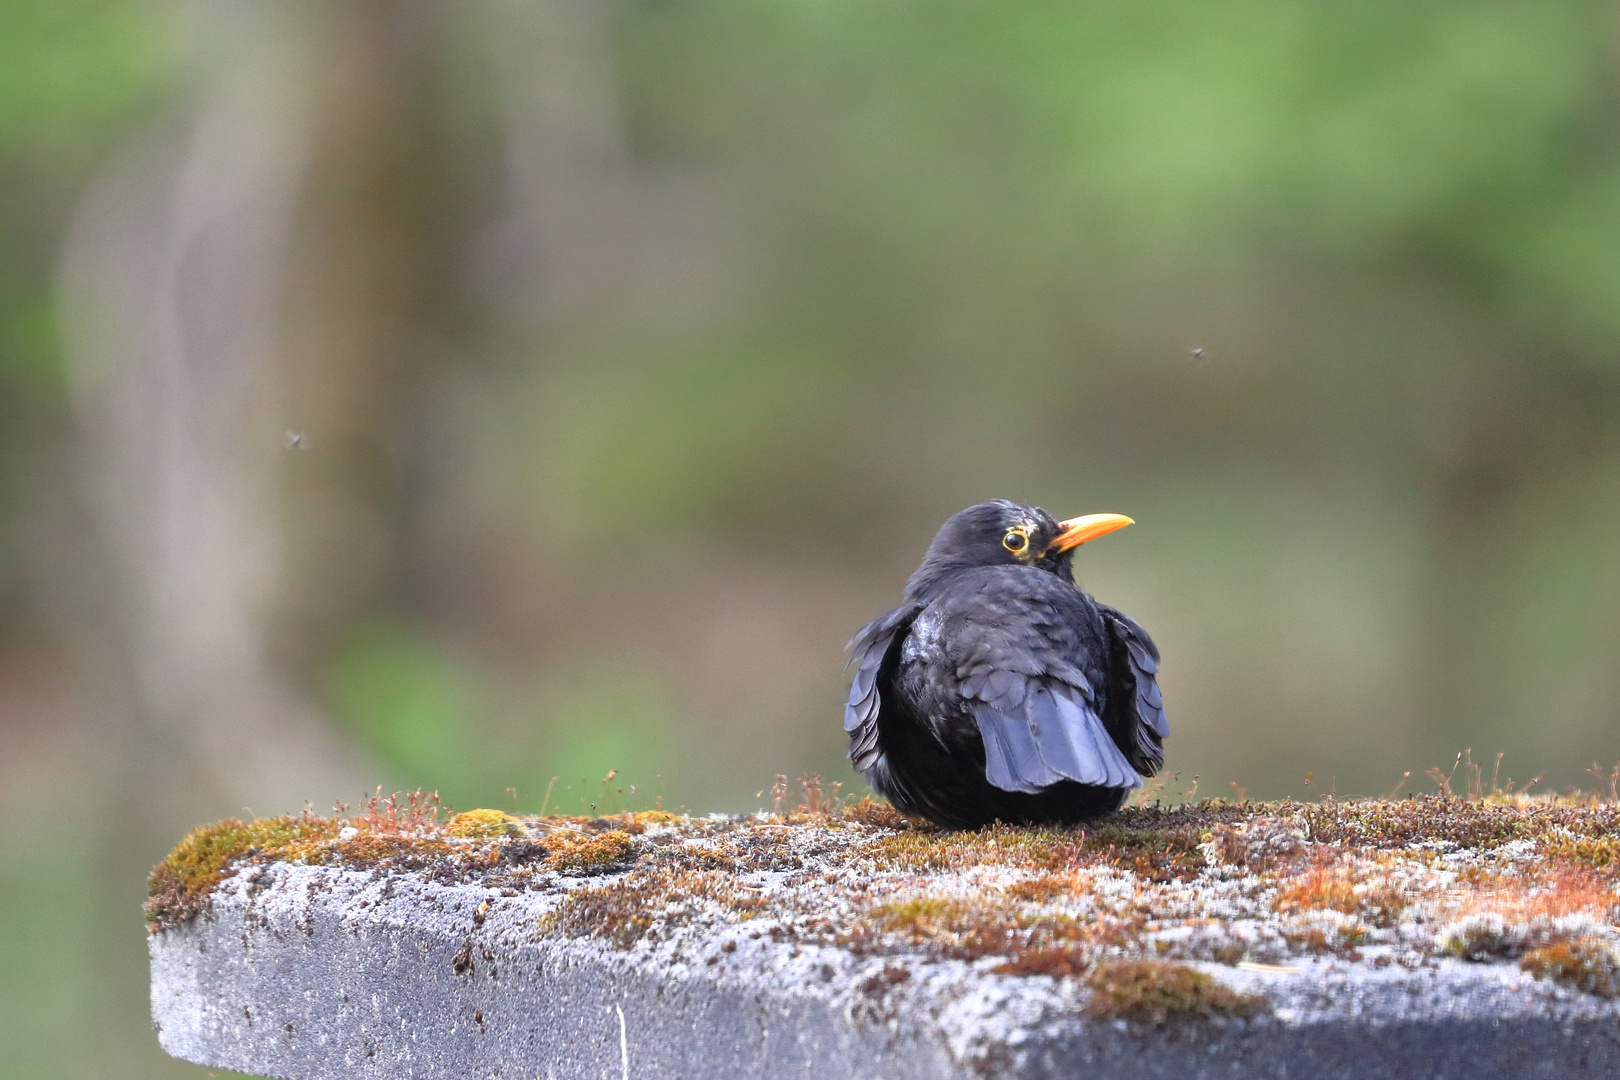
<point x="870" y="647"/>
<point x="1052" y="737"/>
<point x="1143" y="653"/>
<point x="1152" y="725"/>
<point x="1118" y="769"/>
<point x="1020" y="674"/>
<point x="1098" y="760"/>
<point x="1005" y="690"/>
<point x="1011" y="760"/>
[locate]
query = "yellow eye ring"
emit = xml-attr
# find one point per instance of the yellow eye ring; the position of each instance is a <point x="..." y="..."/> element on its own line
<point x="1015" y="542"/>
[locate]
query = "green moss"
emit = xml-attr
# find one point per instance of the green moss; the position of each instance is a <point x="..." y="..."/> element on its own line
<point x="1481" y="825"/>
<point x="1153" y="991"/>
<point x="179" y="886"/>
<point x="481" y="824"/>
<point x="924" y="914"/>
<point x="963" y="928"/>
<point x="1157" y="854"/>
<point x="1158" y="844"/>
<point x="998" y="845"/>
<point x="1601" y="852"/>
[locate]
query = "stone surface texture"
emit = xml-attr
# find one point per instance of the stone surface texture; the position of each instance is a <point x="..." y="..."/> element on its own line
<point x="1208" y="941"/>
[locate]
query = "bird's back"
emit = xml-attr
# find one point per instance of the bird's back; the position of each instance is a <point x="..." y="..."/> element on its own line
<point x="990" y="634"/>
<point x="999" y="619"/>
<point x="999" y="690"/>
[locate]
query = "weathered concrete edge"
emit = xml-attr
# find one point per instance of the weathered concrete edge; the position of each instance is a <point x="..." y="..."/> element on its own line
<point x="307" y="973"/>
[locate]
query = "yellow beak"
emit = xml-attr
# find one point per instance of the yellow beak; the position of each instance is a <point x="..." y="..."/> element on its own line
<point x="1077" y="531"/>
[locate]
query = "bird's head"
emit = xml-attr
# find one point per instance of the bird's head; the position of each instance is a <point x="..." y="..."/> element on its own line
<point x="1006" y="533"/>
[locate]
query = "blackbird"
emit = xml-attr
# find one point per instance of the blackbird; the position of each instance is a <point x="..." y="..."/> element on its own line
<point x="999" y="691"/>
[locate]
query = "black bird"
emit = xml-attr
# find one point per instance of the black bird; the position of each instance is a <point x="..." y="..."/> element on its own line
<point x="999" y="691"/>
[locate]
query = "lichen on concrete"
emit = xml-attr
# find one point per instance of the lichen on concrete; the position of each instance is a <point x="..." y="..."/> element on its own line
<point x="1288" y="938"/>
<point x="1371" y="882"/>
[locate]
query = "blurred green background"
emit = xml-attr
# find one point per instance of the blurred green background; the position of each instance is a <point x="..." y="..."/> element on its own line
<point x="467" y="395"/>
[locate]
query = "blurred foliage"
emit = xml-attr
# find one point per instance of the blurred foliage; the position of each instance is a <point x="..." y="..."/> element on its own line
<point x="968" y="210"/>
<point x="407" y="700"/>
<point x="601" y="723"/>
<point x="1327" y="297"/>
<point x="425" y="713"/>
<point x="982" y="245"/>
<point x="71" y="76"/>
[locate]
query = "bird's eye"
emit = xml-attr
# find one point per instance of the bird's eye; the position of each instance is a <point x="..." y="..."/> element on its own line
<point x="1015" y="541"/>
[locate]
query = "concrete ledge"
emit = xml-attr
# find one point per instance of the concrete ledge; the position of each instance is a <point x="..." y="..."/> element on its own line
<point x="824" y="960"/>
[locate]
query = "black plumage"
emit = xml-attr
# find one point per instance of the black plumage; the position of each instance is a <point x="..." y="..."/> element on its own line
<point x="999" y="691"/>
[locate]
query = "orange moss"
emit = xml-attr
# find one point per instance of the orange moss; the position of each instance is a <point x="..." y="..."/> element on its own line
<point x="583" y="852"/>
<point x="1551" y="894"/>
<point x="1340" y="940"/>
<point x="1044" y="887"/>
<point x="1058" y="961"/>
<point x="405" y="852"/>
<point x="365" y="849"/>
<point x="1586" y="964"/>
<point x="1348" y="890"/>
<point x="636" y="823"/>
<point x="1318" y="890"/>
<point x="879" y="814"/>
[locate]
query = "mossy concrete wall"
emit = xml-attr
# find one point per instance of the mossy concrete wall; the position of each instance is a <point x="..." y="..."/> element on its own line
<point x="867" y="948"/>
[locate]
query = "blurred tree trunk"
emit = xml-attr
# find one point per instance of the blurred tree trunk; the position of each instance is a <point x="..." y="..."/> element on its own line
<point x="172" y="278"/>
<point x="366" y="325"/>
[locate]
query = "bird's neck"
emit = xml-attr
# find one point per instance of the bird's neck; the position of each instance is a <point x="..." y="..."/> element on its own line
<point x="933" y="574"/>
